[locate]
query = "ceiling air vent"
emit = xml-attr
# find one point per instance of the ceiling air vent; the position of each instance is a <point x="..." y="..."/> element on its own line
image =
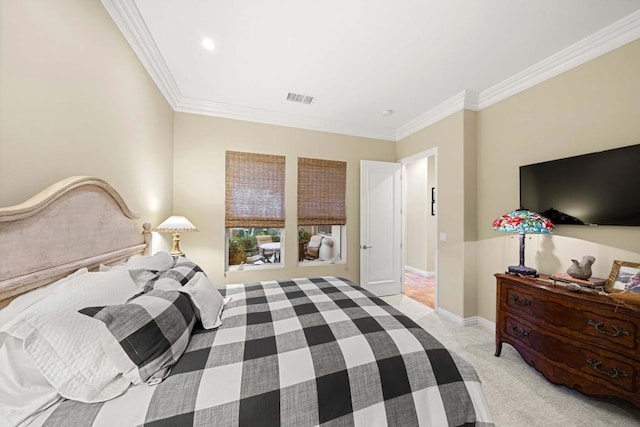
<point x="296" y="97"/>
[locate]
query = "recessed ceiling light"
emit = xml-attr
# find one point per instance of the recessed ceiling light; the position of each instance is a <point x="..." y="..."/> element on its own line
<point x="387" y="113"/>
<point x="208" y="44"/>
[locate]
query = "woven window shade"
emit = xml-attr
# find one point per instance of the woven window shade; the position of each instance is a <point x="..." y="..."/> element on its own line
<point x="254" y="195"/>
<point x="322" y="192"/>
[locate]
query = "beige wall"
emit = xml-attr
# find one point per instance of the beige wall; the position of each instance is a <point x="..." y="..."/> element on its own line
<point x="419" y="236"/>
<point x="417" y="209"/>
<point x="199" y="183"/>
<point x="75" y="100"/>
<point x="590" y="108"/>
<point x="432" y="224"/>
<point x="448" y="136"/>
<point x="470" y="212"/>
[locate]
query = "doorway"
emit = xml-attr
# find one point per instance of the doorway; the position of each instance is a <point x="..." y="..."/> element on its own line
<point x="420" y="227"/>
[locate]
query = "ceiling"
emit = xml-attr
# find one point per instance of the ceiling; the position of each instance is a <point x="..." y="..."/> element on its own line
<point x="421" y="59"/>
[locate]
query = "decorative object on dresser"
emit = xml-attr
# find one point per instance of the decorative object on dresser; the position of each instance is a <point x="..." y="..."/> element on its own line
<point x="585" y="341"/>
<point x="624" y="276"/>
<point x="523" y="221"/>
<point x="175" y="225"/>
<point x="582" y="269"/>
<point x="592" y="282"/>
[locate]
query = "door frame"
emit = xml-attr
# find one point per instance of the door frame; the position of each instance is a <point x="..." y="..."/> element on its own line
<point x="404" y="161"/>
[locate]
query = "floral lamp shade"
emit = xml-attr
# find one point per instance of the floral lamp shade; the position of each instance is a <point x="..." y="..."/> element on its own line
<point x="523" y="221"/>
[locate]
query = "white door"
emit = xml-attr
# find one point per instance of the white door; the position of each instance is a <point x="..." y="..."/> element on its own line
<point x="380" y="227"/>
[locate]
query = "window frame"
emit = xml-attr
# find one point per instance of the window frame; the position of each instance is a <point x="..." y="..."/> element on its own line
<point x="254" y="204"/>
<point x="322" y="202"/>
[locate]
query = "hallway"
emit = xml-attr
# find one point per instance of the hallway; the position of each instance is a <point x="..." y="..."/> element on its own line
<point x="420" y="288"/>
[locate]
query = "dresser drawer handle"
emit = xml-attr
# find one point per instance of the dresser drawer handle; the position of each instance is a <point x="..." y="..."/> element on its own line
<point x="618" y="329"/>
<point x="516" y="300"/>
<point x="521" y="333"/>
<point x="615" y="372"/>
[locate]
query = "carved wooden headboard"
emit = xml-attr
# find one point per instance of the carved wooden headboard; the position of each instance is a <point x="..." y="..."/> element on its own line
<point x="78" y="222"/>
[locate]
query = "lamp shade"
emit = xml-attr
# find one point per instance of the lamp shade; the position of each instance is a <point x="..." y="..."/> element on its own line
<point x="523" y="221"/>
<point x="176" y="224"/>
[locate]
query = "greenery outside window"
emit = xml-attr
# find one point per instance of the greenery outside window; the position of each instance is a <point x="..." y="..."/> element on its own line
<point x="244" y="246"/>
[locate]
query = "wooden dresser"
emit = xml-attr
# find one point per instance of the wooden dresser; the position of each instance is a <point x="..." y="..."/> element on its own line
<point x="586" y="342"/>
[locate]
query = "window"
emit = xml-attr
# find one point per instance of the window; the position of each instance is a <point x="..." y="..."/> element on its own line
<point x="253" y="246"/>
<point x="254" y="208"/>
<point x="324" y="229"/>
<point x="322" y="213"/>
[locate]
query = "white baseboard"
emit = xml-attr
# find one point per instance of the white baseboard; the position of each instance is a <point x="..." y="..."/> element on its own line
<point x="468" y="321"/>
<point x="419" y="272"/>
<point x="453" y="317"/>
<point x="487" y="324"/>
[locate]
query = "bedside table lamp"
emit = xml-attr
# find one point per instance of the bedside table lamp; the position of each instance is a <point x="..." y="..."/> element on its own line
<point x="176" y="225"/>
<point x="522" y="221"/>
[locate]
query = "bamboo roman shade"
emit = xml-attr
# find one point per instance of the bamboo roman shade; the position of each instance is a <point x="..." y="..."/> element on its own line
<point x="254" y="194"/>
<point x="322" y="192"/>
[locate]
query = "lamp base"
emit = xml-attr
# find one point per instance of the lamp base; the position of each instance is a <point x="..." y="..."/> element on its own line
<point x="523" y="270"/>
<point x="175" y="250"/>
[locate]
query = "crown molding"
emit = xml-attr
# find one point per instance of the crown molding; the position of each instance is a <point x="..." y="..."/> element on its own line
<point x="466" y="99"/>
<point x="609" y="38"/>
<point x="127" y="17"/>
<point x="259" y="115"/>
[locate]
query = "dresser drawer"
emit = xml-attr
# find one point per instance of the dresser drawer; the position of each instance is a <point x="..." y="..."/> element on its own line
<point x="598" y="325"/>
<point x="583" y="341"/>
<point x="571" y="362"/>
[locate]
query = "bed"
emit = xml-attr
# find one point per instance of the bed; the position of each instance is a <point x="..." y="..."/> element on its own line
<point x="295" y="352"/>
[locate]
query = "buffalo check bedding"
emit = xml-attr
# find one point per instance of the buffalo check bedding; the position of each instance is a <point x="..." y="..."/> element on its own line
<point x="300" y="352"/>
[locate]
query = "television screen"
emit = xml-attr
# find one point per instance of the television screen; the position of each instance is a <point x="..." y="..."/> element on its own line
<point x="593" y="189"/>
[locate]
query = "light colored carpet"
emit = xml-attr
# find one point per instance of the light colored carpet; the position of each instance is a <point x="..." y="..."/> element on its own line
<point x="517" y="394"/>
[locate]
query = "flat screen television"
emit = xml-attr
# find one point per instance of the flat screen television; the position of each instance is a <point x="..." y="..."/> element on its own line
<point x="592" y="189"/>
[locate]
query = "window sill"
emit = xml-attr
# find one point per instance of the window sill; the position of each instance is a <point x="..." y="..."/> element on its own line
<point x="304" y="264"/>
<point x="252" y="267"/>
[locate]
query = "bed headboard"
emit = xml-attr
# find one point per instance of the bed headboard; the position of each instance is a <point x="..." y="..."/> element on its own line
<point x="78" y="222"/>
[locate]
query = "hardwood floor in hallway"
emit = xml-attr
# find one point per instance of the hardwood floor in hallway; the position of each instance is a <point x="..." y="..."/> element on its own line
<point x="420" y="288"/>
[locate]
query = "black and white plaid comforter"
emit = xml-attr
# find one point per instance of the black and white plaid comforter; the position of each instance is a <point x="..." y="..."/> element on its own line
<point x="296" y="353"/>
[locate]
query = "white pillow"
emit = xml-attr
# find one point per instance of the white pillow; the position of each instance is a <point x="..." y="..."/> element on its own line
<point x="206" y="299"/>
<point x="140" y="276"/>
<point x="25" y="301"/>
<point x="161" y="261"/>
<point x="24" y="391"/>
<point x="142" y="268"/>
<point x="65" y="345"/>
